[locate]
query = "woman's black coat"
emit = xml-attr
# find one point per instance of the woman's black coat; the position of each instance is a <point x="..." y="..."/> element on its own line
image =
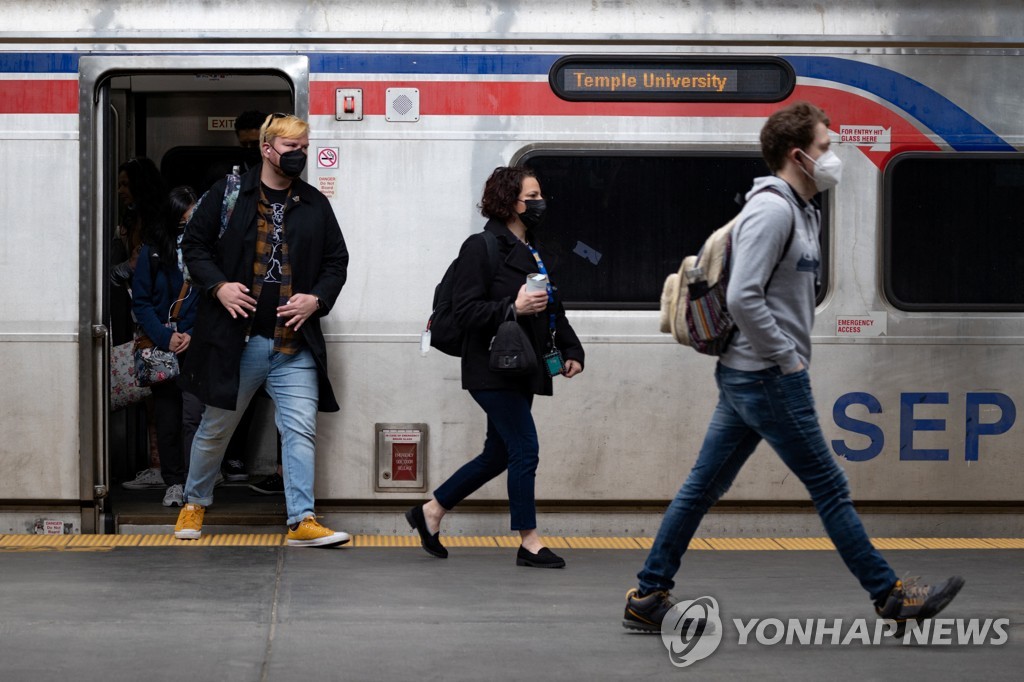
<point x="480" y="304"/>
<point x="319" y="264"/>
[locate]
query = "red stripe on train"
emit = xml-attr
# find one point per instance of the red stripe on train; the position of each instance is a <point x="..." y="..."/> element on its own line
<point x="455" y="98"/>
<point x="38" y="97"/>
<point x="451" y="98"/>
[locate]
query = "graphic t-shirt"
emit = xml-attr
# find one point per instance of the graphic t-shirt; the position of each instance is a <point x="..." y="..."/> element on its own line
<point x="265" y="319"/>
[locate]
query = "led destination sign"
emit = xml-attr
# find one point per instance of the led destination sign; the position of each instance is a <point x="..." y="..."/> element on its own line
<point x="644" y="80"/>
<point x="671" y="79"/>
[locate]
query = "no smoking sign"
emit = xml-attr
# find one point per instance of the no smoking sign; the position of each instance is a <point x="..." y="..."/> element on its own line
<point x="327" y="157"/>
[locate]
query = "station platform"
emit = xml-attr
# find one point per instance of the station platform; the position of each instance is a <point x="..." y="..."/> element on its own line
<point x="236" y="606"/>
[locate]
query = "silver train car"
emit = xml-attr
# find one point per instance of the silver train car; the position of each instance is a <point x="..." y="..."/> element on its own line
<point x="642" y="121"/>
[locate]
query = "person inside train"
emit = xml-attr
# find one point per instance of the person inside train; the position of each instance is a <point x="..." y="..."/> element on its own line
<point x="483" y="298"/>
<point x="141" y="193"/>
<point x="264" y="284"/>
<point x="763" y="381"/>
<point x="158" y="286"/>
<point x="247" y="131"/>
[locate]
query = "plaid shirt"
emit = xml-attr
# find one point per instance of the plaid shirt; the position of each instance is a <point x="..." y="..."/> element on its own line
<point x="285" y="339"/>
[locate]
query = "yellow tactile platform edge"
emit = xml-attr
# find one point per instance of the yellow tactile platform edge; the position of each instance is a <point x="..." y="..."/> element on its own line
<point x="106" y="542"/>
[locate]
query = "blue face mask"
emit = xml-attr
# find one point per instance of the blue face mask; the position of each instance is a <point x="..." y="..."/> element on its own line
<point x="534" y="213"/>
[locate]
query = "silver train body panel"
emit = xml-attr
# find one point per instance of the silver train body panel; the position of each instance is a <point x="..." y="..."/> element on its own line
<point x="629" y="428"/>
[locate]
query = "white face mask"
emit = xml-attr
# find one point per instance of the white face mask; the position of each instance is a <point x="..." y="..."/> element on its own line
<point x="828" y="170"/>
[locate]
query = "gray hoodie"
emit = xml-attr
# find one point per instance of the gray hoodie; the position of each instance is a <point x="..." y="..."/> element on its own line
<point x="774" y="326"/>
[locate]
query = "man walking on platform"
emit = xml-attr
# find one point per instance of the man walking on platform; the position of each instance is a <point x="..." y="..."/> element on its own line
<point x="267" y="277"/>
<point x="763" y="381"/>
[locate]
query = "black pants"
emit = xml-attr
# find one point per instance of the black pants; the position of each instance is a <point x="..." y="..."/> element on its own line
<point x="177" y="417"/>
<point x="512" y="445"/>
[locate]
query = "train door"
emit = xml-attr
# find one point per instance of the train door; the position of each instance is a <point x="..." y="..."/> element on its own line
<point x="177" y="112"/>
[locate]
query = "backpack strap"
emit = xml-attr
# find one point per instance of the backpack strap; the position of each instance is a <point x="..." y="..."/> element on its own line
<point x="789" y="239"/>
<point x="493" y="257"/>
<point x="227" y="207"/>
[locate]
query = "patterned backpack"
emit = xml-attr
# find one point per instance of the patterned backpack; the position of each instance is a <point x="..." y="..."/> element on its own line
<point x="693" y="307"/>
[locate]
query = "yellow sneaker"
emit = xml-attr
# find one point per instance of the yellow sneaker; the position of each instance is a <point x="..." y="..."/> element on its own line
<point x="190" y="522"/>
<point x="309" y="533"/>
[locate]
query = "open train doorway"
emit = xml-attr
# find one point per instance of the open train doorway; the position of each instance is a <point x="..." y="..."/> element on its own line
<point x="150" y="124"/>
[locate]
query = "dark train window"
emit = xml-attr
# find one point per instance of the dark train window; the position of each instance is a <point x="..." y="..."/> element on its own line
<point x="618" y="223"/>
<point x="954" y="232"/>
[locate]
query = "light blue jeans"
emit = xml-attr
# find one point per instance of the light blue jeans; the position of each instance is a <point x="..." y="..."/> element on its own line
<point x="780" y="409"/>
<point x="292" y="383"/>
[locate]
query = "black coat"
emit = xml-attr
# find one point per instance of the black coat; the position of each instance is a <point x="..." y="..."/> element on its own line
<point x="319" y="265"/>
<point x="481" y="304"/>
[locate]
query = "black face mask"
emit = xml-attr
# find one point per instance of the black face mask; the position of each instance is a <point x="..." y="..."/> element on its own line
<point x="293" y="163"/>
<point x="534" y="213"/>
<point x="251" y="157"/>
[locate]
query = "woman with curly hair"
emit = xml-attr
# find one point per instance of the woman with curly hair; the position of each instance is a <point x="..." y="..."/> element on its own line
<point x="483" y="298"/>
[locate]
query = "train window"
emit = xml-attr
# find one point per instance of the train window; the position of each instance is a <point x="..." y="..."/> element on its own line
<point x="619" y="222"/>
<point x="953" y="232"/>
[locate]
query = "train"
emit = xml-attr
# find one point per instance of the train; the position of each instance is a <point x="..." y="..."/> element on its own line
<point x="641" y="120"/>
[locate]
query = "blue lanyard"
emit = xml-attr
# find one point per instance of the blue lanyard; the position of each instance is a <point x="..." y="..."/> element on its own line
<point x="551" y="294"/>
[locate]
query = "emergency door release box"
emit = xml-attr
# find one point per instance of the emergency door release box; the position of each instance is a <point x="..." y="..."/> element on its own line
<point x="401" y="458"/>
<point x="348" y="104"/>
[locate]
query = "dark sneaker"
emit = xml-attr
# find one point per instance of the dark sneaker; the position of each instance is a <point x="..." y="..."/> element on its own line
<point x="234" y="470"/>
<point x="910" y="601"/>
<point x="644" y="614"/>
<point x="271" y="485"/>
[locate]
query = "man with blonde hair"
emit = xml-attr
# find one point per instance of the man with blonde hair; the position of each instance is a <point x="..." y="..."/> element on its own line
<point x="269" y="260"/>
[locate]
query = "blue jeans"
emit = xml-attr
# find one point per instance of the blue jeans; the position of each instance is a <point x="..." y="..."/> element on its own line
<point x="780" y="409"/>
<point x="511" y="444"/>
<point x="292" y="382"/>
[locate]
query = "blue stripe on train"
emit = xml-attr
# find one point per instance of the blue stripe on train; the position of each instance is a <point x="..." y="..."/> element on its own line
<point x="962" y="131"/>
<point x="958" y="128"/>
<point x="38" y="62"/>
<point x="456" y="64"/>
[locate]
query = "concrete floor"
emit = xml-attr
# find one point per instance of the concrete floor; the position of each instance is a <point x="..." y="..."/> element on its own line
<point x="274" y="613"/>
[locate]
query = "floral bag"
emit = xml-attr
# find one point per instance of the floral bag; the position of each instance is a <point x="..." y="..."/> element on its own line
<point x="124" y="391"/>
<point x="154" y="365"/>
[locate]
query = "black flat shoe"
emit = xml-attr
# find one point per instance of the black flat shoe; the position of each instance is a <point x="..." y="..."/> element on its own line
<point x="545" y="558"/>
<point x="430" y="543"/>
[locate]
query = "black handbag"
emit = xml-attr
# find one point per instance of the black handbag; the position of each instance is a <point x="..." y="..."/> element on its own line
<point x="511" y="350"/>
